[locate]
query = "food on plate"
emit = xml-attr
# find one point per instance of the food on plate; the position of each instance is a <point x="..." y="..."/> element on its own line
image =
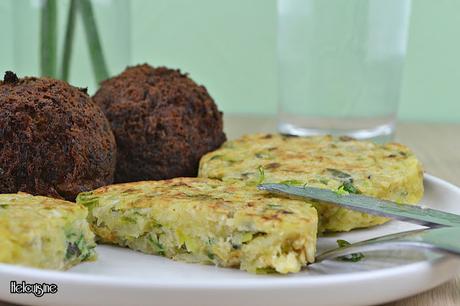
<point x="205" y="221"/>
<point x="43" y="232"/>
<point x="54" y="140"/>
<point x="390" y="171"/>
<point x="162" y="120"/>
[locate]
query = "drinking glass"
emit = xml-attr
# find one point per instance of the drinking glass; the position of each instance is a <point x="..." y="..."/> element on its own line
<point x="340" y="66"/>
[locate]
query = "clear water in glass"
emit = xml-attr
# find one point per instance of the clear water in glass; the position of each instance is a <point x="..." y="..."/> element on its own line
<point x="340" y="66"/>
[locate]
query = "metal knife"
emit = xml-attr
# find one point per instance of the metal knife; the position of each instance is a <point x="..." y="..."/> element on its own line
<point x="404" y="212"/>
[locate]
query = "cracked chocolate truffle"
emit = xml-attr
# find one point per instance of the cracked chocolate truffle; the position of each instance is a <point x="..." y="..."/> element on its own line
<point x="162" y="120"/>
<point x="54" y="139"/>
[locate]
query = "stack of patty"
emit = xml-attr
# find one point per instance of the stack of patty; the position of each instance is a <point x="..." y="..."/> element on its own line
<point x="57" y="141"/>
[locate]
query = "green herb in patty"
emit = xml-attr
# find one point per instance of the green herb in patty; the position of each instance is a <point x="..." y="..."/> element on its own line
<point x="355" y="257"/>
<point x="350" y="188"/>
<point x="261" y="174"/>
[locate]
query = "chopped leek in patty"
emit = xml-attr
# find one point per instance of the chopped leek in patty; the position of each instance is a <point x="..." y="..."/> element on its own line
<point x="205" y="221"/>
<point x="389" y="171"/>
<point x="41" y="232"/>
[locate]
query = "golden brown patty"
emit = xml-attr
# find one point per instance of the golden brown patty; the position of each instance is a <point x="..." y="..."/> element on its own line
<point x="205" y="221"/>
<point x="389" y="171"/>
<point x="43" y="233"/>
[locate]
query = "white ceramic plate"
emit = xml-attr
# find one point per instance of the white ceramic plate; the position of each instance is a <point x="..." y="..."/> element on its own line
<point x="124" y="277"/>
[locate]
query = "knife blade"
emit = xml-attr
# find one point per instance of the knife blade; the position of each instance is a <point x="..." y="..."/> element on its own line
<point x="403" y="212"/>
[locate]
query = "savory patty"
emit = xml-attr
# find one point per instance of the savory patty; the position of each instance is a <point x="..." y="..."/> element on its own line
<point x="44" y="233"/>
<point x="390" y="171"/>
<point x="205" y="221"/>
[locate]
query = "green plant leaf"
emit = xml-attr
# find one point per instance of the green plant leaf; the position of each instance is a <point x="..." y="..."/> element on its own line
<point x="68" y="40"/>
<point x="48" y="38"/>
<point x="355" y="257"/>
<point x="94" y="43"/>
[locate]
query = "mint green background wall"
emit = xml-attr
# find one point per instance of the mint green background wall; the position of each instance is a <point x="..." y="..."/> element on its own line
<point x="20" y="40"/>
<point x="229" y="46"/>
<point x="432" y="80"/>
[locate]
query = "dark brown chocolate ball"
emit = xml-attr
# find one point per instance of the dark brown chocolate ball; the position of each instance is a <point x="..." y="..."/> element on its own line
<point x="162" y="120"/>
<point x="54" y="139"/>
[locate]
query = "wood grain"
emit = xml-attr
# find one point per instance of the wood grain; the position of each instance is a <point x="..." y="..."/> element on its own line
<point x="437" y="146"/>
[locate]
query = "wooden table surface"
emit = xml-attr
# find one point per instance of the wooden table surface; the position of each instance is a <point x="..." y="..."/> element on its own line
<point x="437" y="146"/>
